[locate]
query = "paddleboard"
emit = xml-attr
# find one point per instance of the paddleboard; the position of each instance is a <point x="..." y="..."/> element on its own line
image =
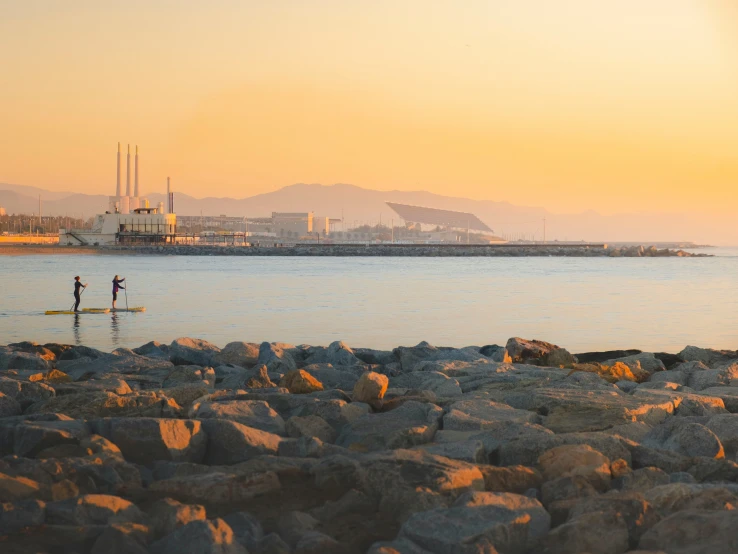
<point x="87" y="311"/>
<point x="136" y="309"/>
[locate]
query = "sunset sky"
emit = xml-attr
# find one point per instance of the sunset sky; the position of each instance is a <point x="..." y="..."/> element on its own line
<point x="613" y="105"/>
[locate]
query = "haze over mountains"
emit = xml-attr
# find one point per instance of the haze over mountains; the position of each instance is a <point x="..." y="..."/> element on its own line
<point x="359" y="205"/>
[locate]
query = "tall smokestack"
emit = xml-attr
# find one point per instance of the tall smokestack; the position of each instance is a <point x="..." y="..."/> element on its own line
<point x="117" y="183"/>
<point x="135" y="190"/>
<point x="128" y="172"/>
<point x="169" y="204"/>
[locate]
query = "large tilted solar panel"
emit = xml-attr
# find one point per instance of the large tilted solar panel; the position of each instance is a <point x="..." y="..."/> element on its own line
<point x="433" y="216"/>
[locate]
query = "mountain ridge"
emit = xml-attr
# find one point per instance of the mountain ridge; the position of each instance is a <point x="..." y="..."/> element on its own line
<point x="357" y="205"/>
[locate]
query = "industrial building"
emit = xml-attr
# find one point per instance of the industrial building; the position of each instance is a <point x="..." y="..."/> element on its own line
<point x="129" y="219"/>
<point x="442" y="218"/>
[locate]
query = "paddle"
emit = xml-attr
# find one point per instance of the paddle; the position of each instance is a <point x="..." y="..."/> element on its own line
<point x="126" y="289"/>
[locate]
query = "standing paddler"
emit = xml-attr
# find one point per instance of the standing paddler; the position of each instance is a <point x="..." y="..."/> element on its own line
<point x="77" y="286"/>
<point x="116" y="287"/>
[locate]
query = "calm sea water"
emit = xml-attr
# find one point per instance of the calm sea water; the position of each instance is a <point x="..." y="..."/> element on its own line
<point x="579" y="303"/>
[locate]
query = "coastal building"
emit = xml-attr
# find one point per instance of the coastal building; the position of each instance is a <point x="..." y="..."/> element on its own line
<point x="129" y="218"/>
<point x="130" y="201"/>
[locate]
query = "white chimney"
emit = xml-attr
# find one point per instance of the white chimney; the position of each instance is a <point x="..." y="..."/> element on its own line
<point x="135" y="190"/>
<point x="117" y="185"/>
<point x="128" y="172"/>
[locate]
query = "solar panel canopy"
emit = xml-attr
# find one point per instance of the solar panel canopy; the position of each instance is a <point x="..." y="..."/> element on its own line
<point x="434" y="216"/>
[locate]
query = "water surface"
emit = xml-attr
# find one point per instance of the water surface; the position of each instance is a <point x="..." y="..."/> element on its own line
<point x="656" y="304"/>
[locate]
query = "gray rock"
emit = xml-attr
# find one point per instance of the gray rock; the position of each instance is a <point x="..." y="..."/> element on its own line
<point x="340" y="377"/>
<point x="246" y="529"/>
<point x="471" y="415"/>
<point x="153" y="349"/>
<point x="30" y="438"/>
<point x="252" y="413"/>
<point x="337" y="413"/>
<point x="167" y="515"/>
<point x="276" y="358"/>
<point x="187" y="351"/>
<point x="230" y="442"/>
<point x="146" y="440"/>
<point x="25" y="392"/>
<point x="16" y="516"/>
<point x="122" y="538"/>
<point x="719" y="376"/>
<point x="217" y="489"/>
<point x="693" y="532"/>
<point x="440" y="384"/>
<point x="642" y="479"/>
<point x="707" y="356"/>
<point x="522" y="350"/>
<point x="645" y="361"/>
<point x="375" y="357"/>
<point x="243" y="354"/>
<point x="272" y="544"/>
<point x="688" y="439"/>
<point x="471" y="451"/>
<point x="29" y="361"/>
<point x="206" y="537"/>
<point x="310" y="426"/>
<point x="92" y="509"/>
<point x="185" y="374"/>
<point x="9" y="406"/>
<point x="725" y="427"/>
<point x="600" y="532"/>
<point x="315" y="542"/>
<point x="411" y="424"/>
<point x="503" y="521"/>
<point x="338" y="353"/>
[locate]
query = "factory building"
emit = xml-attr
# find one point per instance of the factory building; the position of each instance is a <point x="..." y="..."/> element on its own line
<point x="129" y="218"/>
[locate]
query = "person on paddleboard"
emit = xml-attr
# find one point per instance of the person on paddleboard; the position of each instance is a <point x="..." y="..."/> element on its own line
<point x="116" y="287"/>
<point x="77" y="286"/>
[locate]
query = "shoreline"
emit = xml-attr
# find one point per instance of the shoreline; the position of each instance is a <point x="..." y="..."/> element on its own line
<point x="359" y="250"/>
<point x="523" y="447"/>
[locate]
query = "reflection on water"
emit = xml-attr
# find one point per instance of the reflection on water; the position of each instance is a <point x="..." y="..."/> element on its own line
<point x="75" y="330"/>
<point x="580" y="303"/>
<point x="114" y="329"/>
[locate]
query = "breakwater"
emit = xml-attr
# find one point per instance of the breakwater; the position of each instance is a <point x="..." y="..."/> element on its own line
<point x="408" y="250"/>
<point x="246" y="447"/>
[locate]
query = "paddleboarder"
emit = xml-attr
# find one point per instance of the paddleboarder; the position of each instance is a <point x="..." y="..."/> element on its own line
<point x="77" y="286"/>
<point x="116" y="287"/>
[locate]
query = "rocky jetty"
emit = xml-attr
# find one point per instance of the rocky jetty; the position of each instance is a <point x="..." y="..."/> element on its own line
<point x="272" y="448"/>
<point x="406" y="250"/>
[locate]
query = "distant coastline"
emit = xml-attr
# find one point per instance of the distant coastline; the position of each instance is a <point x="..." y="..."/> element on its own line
<point x="357" y="250"/>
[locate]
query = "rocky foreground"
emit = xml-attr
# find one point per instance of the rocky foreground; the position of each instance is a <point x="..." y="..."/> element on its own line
<point x="273" y="448"/>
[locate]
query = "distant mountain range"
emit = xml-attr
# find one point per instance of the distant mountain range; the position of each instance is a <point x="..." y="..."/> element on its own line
<point x="359" y="205"/>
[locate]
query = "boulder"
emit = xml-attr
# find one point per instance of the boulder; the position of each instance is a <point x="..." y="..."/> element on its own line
<point x="92" y="509"/>
<point x="90" y="405"/>
<point x="471" y="451"/>
<point x="276" y="357"/>
<point x="338" y="353"/>
<point x="600" y="357"/>
<point x="29" y="361"/>
<point x="32" y="437"/>
<point x="217" y="489"/>
<point x="411" y="424"/>
<point x="230" y="442"/>
<point x="167" y="515"/>
<point x="299" y="381"/>
<point x="122" y="538"/>
<point x="576" y="460"/>
<point x="720" y="376"/>
<point x="187" y="351"/>
<point x="480" y="520"/>
<point x="147" y="440"/>
<point x="473" y="415"/>
<point x="153" y="349"/>
<point x="370" y="389"/>
<point x="20" y="488"/>
<point x="25" y="392"/>
<point x="516" y="479"/>
<point x="523" y="351"/>
<point x="340" y="377"/>
<point x="440" y="384"/>
<point x="246" y="529"/>
<point x="693" y="532"/>
<point x="310" y="426"/>
<point x="242" y="354"/>
<point x="201" y="536"/>
<point x="645" y="361"/>
<point x="707" y="356"/>
<point x="596" y="533"/>
<point x="725" y="428"/>
<point x="184" y="374"/>
<point x="252" y="413"/>
<point x="641" y="480"/>
<point x="17" y="516"/>
<point x="687" y="439"/>
<point x="8" y="406"/>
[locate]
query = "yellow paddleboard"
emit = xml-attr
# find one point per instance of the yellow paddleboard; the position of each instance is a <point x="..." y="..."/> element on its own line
<point x="136" y="309"/>
<point x="88" y="311"/>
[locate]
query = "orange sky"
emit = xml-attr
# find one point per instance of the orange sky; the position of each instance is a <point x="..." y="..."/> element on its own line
<point x="617" y="105"/>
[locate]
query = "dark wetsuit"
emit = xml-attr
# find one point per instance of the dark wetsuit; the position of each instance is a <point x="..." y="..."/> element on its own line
<point x="77" y="286"/>
<point x="116" y="287"/>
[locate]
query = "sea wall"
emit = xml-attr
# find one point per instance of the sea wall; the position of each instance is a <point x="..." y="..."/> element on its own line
<point x="347" y="250"/>
<point x="274" y="448"/>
